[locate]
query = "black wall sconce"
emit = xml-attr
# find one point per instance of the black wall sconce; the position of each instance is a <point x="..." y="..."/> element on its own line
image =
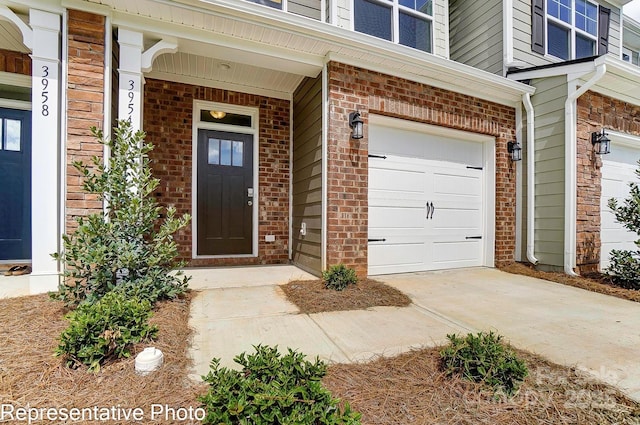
<point x="515" y="151"/>
<point x="601" y="143"/>
<point x="356" y="124"/>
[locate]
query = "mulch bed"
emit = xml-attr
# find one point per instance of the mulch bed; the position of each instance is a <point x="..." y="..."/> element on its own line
<point x="31" y="376"/>
<point x="411" y="389"/>
<point x="407" y="389"/>
<point x="311" y="296"/>
<point x="593" y="282"/>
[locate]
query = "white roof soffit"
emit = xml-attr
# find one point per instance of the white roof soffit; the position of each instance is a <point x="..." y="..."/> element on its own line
<point x="621" y="80"/>
<point x="301" y="44"/>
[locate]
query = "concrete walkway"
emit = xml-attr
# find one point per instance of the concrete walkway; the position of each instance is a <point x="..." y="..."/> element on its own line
<point x="240" y="307"/>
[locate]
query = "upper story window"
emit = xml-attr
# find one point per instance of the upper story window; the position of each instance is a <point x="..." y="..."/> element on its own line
<point x="630" y="56"/>
<point x="572" y="28"/>
<point x="407" y="22"/>
<point x="569" y="29"/>
<point x="310" y="9"/>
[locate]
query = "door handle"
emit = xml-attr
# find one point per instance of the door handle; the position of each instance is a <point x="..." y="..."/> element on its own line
<point x="430" y="210"/>
<point x="249" y="203"/>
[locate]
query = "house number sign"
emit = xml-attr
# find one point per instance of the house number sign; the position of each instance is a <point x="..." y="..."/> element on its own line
<point x="131" y="95"/>
<point x="45" y="92"/>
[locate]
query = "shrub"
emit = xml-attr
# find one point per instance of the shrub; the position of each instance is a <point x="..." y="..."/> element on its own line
<point x="105" y="329"/>
<point x="129" y="246"/>
<point x="624" y="269"/>
<point x="339" y="277"/>
<point x="484" y="358"/>
<point x="272" y="389"/>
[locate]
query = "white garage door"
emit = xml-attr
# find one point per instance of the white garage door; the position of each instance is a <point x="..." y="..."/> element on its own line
<point x="426" y="201"/>
<point x="618" y="169"/>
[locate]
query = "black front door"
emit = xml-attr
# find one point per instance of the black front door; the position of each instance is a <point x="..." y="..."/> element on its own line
<point x="15" y="184"/>
<point x="225" y="193"/>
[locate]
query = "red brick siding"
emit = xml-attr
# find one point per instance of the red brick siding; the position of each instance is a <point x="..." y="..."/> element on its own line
<point x="352" y="88"/>
<point x="15" y="62"/>
<point x="595" y="112"/>
<point x="85" y="103"/>
<point x="168" y="114"/>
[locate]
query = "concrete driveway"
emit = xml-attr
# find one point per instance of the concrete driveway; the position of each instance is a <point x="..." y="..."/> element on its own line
<point x="570" y="326"/>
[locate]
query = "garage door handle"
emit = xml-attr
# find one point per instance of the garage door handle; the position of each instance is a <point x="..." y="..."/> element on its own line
<point x="473" y="237"/>
<point x="376" y="240"/>
<point x="430" y="210"/>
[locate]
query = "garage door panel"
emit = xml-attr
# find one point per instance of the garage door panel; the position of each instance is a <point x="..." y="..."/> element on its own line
<point x="396" y="257"/>
<point x="396" y="217"/>
<point x="460" y="185"/>
<point x="456" y="254"/>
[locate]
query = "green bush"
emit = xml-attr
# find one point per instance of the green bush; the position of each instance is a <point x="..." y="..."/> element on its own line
<point x="484" y="358"/>
<point x="624" y="268"/>
<point x="339" y="277"/>
<point x="105" y="329"/>
<point x="128" y="247"/>
<point x="272" y="389"/>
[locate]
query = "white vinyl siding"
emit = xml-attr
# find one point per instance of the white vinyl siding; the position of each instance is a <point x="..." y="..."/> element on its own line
<point x="307" y="175"/>
<point x="476" y="34"/>
<point x="548" y="102"/>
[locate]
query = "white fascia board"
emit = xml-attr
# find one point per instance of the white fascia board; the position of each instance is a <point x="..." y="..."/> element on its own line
<point x="23" y="6"/>
<point x="484" y="84"/>
<point x="576" y="68"/>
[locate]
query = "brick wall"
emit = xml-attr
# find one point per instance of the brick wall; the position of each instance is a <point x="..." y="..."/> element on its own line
<point x="84" y="106"/>
<point x="595" y="112"/>
<point x="168" y="114"/>
<point x="352" y="88"/>
<point x="15" y="62"/>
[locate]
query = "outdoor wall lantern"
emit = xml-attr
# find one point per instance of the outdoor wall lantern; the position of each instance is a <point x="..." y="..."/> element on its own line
<point x="514" y="150"/>
<point x="601" y="143"/>
<point x="356" y="124"/>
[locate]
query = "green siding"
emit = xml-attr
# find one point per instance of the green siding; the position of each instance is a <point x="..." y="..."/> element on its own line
<point x="476" y="34"/>
<point x="307" y="175"/>
<point x="548" y="103"/>
<point x="309" y="8"/>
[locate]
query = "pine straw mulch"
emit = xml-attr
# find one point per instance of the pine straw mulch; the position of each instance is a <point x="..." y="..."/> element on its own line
<point x="407" y="389"/>
<point x="311" y="296"/>
<point x="594" y="282"/>
<point x="31" y="376"/>
<point x="411" y="389"/>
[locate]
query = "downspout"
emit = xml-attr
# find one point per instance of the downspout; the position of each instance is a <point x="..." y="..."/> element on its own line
<point x="526" y="100"/>
<point x="570" y="168"/>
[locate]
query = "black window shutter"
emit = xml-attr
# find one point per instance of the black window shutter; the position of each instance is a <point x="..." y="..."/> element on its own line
<point x="537" y="26"/>
<point x="603" y="30"/>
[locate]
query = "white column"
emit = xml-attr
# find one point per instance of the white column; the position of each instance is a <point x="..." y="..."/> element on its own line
<point x="130" y="73"/>
<point x="45" y="148"/>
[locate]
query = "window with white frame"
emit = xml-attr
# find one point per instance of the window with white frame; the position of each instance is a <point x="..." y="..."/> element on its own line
<point x="572" y="28"/>
<point x="407" y="22"/>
